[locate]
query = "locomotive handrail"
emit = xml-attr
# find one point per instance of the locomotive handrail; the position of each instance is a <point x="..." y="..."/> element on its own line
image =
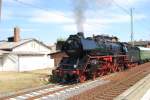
<point x="67" y="64"/>
<point x="108" y="56"/>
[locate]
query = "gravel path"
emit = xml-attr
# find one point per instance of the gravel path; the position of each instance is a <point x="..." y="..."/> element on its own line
<point x="118" y="84"/>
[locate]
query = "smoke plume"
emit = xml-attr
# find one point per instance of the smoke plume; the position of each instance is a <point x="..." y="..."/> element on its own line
<point x="80" y="7"/>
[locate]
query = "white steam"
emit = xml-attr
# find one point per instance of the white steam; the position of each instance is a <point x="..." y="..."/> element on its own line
<point x="80" y="8"/>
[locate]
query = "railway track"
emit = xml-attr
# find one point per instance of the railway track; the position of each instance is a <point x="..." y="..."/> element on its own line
<point x="54" y="92"/>
<point x="117" y="85"/>
<point x="27" y="95"/>
<point x="104" y="88"/>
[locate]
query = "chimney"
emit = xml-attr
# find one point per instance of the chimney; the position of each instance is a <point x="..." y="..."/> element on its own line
<point x="16" y="34"/>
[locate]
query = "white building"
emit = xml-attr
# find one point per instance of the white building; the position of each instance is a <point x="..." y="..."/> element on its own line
<point x="24" y="55"/>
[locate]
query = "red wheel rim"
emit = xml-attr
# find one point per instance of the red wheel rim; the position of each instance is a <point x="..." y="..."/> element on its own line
<point x="82" y="78"/>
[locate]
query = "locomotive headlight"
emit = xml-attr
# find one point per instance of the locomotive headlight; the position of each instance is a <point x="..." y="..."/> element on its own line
<point x="69" y="41"/>
<point x="75" y="66"/>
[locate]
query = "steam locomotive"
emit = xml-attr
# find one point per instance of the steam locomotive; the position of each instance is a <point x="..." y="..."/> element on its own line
<point x="94" y="56"/>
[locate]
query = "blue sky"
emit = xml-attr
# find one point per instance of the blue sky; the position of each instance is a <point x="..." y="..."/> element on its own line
<point x="56" y="19"/>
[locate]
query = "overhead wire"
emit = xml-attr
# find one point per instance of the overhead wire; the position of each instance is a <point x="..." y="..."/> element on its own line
<point x="122" y="8"/>
<point x="31" y="5"/>
<point x="127" y="12"/>
<point x="37" y="7"/>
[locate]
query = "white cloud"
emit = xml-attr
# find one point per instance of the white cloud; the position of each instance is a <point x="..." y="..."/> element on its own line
<point x="50" y="17"/>
<point x="26" y="30"/>
<point x="10" y="30"/>
<point x="6" y="15"/>
<point x="95" y="24"/>
<point x="127" y="2"/>
<point x="130" y="3"/>
<point x="62" y="17"/>
<point x="117" y="18"/>
<point x="95" y="21"/>
<point x="104" y="4"/>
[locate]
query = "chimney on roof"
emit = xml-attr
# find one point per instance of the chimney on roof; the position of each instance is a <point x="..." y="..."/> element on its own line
<point x="16" y="34"/>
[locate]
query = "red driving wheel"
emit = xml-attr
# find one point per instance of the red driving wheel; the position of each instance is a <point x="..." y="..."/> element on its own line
<point x="82" y="78"/>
